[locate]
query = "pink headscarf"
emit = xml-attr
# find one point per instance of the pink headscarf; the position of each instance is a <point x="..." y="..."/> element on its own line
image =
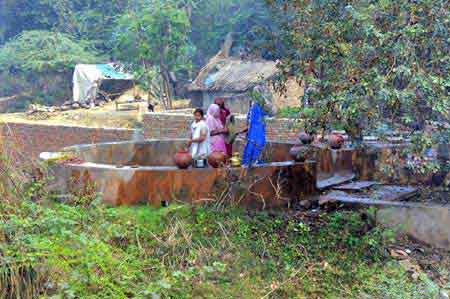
<point x="213" y="121"/>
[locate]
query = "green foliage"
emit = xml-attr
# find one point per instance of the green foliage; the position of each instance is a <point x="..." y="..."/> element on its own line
<point x="184" y="252"/>
<point x="289" y="112"/>
<point x="43" y="52"/>
<point x="366" y="60"/>
<point x="91" y="20"/>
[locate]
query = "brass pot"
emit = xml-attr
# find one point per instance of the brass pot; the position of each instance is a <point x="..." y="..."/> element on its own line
<point x="235" y="160"/>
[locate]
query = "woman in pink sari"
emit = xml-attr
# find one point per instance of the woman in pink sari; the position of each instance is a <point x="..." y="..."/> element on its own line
<point x="217" y="142"/>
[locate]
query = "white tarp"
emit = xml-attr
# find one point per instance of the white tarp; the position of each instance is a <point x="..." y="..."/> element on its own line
<point x="88" y="77"/>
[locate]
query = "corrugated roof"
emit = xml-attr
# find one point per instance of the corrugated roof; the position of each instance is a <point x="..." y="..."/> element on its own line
<point x="232" y="74"/>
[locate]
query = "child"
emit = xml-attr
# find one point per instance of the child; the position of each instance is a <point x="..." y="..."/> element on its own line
<point x="200" y="137"/>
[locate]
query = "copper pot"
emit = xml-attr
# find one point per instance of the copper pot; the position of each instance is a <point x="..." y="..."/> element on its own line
<point x="182" y="159"/>
<point x="335" y="141"/>
<point x="217" y="159"/>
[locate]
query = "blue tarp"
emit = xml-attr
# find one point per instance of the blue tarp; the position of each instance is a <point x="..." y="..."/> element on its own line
<point x="109" y="72"/>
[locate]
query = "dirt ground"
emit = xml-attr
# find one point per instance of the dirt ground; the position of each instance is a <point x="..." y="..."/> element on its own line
<point x="128" y="116"/>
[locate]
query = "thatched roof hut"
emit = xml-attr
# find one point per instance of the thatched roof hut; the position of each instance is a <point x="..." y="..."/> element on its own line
<point x="233" y="78"/>
<point x="233" y="75"/>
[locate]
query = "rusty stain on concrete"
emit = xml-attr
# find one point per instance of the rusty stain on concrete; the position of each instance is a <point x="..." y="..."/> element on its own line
<point x="156" y="179"/>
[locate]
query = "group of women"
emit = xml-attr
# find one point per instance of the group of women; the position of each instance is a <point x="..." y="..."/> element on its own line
<point x="216" y="133"/>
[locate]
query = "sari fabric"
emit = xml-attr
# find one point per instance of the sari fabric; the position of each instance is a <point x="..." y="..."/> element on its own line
<point x="217" y="142"/>
<point x="256" y="136"/>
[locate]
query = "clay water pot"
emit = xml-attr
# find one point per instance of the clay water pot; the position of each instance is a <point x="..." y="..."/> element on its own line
<point x="335" y="141"/>
<point x="306" y="138"/>
<point x="182" y="159"/>
<point x="217" y="159"/>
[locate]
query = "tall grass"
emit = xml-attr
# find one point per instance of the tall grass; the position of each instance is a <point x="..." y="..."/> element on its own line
<point x="18" y="278"/>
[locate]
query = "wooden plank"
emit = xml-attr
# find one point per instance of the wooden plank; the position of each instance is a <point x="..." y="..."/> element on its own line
<point x="127" y="106"/>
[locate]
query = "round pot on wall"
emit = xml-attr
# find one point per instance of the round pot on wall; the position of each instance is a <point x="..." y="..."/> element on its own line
<point x="217" y="159"/>
<point x="335" y="141"/>
<point x="182" y="159"/>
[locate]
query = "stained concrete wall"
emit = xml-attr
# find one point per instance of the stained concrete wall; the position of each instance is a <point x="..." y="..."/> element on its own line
<point x="430" y="224"/>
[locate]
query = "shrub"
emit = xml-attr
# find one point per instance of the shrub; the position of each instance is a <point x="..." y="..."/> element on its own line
<point x="38" y="65"/>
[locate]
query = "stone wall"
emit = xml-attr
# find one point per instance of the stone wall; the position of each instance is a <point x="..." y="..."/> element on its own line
<point x="30" y="139"/>
<point x="172" y="125"/>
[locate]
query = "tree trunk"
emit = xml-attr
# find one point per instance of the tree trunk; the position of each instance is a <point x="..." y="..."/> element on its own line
<point x="167" y="85"/>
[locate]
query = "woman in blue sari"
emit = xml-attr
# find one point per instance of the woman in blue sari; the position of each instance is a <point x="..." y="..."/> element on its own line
<point x="256" y="135"/>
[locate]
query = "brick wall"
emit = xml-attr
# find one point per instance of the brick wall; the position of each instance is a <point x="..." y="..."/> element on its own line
<point x="171" y="125"/>
<point x="31" y="139"/>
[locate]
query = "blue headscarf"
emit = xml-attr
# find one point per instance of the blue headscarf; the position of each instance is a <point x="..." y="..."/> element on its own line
<point x="256" y="136"/>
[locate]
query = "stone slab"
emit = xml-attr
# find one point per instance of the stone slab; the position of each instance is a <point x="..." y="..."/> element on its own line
<point x="383" y="196"/>
<point x="394" y="193"/>
<point x="356" y="186"/>
<point x="427" y="223"/>
<point x="334" y="180"/>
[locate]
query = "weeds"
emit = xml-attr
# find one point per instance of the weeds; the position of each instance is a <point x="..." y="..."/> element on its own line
<point x="84" y="249"/>
<point x="19" y="276"/>
<point x="177" y="252"/>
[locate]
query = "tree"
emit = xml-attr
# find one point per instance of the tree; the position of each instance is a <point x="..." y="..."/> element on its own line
<point x="44" y="51"/>
<point x="250" y="21"/>
<point x="20" y="15"/>
<point x="367" y="60"/>
<point x="91" y="20"/>
<point x="155" y="34"/>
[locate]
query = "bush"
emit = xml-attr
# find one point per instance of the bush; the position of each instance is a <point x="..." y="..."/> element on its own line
<point x="38" y="66"/>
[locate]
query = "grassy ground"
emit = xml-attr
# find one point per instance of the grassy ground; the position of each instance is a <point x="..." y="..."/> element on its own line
<point x="83" y="249"/>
